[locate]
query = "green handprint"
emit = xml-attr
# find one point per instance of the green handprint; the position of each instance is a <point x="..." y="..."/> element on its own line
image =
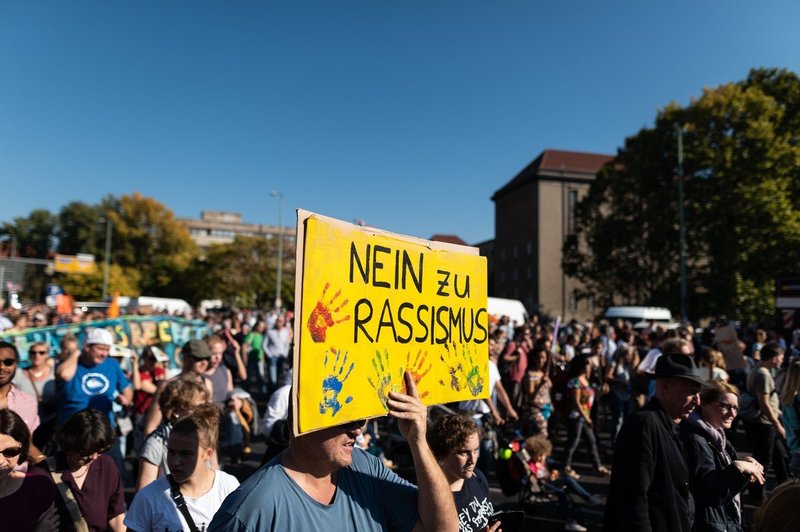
<point x="333" y="383"/>
<point x="383" y="378"/>
<point x="459" y="377"/>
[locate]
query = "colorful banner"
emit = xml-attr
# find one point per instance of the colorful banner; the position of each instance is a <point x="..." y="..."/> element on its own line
<point x="374" y="304"/>
<point x="167" y="332"/>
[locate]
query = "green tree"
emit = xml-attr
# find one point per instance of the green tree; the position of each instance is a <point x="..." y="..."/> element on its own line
<point x="742" y="155"/>
<point x="147" y="236"/>
<point x="89" y="287"/>
<point x="81" y="229"/>
<point x="243" y="273"/>
<point x="31" y="236"/>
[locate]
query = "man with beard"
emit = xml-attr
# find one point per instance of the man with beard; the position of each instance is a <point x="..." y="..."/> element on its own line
<point x="649" y="488"/>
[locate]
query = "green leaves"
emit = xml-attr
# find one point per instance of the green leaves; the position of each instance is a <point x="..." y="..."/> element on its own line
<point x="742" y="204"/>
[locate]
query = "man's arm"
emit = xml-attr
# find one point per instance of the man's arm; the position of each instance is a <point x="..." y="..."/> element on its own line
<point x="763" y="403"/>
<point x="502" y="396"/>
<point x="437" y="510"/>
<point x="66" y="370"/>
<point x="632" y="476"/>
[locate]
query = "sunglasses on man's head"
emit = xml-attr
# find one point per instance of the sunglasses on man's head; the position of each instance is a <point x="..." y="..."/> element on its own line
<point x="9" y="361"/>
<point x="11" y="453"/>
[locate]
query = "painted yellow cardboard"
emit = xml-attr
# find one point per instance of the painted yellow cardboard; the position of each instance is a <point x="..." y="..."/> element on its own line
<point x="374" y="304"/>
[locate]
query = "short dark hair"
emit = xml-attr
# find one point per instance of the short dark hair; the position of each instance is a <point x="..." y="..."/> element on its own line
<point x="450" y="433"/>
<point x="12" y="425"/>
<point x="770" y="350"/>
<point x="12" y="347"/>
<point x="86" y="432"/>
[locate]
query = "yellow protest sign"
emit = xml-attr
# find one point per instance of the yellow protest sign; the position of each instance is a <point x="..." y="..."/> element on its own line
<point x="372" y="305"/>
<point x="81" y="263"/>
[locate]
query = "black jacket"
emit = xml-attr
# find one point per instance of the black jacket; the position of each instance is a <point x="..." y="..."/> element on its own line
<point x="714" y="484"/>
<point x="649" y="488"/>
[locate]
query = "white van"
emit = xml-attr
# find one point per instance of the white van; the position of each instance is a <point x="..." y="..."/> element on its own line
<point x="641" y="316"/>
<point x="513" y="308"/>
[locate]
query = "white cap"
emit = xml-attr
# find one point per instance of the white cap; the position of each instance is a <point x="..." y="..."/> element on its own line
<point x="99" y="336"/>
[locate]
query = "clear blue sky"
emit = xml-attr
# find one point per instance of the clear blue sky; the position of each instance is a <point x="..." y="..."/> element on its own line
<point x="408" y="115"/>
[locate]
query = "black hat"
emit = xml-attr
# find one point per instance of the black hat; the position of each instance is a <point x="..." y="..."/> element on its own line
<point x="678" y="366"/>
<point x="197" y="349"/>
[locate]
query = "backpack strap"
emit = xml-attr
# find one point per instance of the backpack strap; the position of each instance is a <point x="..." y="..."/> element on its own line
<point x="68" y="497"/>
<point x="180" y="503"/>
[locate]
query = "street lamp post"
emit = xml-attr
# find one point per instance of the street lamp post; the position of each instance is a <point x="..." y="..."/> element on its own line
<point x="278" y="302"/>
<point x="682" y="225"/>
<point x="109" y="223"/>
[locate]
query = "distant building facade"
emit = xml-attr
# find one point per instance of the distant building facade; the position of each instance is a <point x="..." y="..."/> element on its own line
<point x="534" y="212"/>
<point x="221" y="227"/>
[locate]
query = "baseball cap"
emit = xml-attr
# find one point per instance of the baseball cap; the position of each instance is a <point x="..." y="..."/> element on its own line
<point x="197" y="349"/>
<point x="99" y="336"/>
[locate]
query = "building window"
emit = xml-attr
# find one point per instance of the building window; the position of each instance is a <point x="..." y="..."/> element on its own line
<point x="573" y="301"/>
<point x="530" y="273"/>
<point x="516" y="275"/>
<point x="502" y="254"/>
<point x="529" y="247"/>
<point x="572" y="201"/>
<point x="591" y="303"/>
<point x="514" y="251"/>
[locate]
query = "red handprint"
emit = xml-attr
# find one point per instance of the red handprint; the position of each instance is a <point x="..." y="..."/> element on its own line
<point x="416" y="370"/>
<point x="322" y="318"/>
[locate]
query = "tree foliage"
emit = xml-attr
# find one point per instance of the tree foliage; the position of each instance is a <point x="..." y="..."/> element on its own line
<point x="742" y="204"/>
<point x="89" y="287"/>
<point x="31" y="236"/>
<point x="243" y="273"/>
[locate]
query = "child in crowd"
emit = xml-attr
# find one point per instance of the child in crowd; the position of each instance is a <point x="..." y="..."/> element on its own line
<point x="542" y="478"/>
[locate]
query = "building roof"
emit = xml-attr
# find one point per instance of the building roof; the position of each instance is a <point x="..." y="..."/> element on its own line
<point x="557" y="164"/>
<point x="450" y="239"/>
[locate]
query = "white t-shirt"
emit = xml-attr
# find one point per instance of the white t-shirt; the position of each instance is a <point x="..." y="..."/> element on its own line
<point x="152" y="508"/>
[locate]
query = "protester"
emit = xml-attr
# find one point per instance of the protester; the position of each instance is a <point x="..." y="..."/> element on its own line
<point x="146" y="377"/>
<point x="220" y="376"/>
<point x="178" y="399"/>
<point x="539" y="449"/>
<point x="321" y="480"/>
<point x="276" y="349"/>
<point x="27" y="500"/>
<point x="718" y="476"/>
<point x="619" y="376"/>
<point x="790" y="407"/>
<point x="89" y="378"/>
<point x="649" y="487"/>
<point x="780" y="512"/>
<point x="253" y="347"/>
<point x="765" y="430"/>
<point x="196" y="356"/>
<point x="193" y="490"/>
<point x="85" y="475"/>
<point x="582" y="396"/>
<point x="537" y="404"/>
<point x="455" y="444"/>
<point x="14" y="399"/>
<point x="38" y="380"/>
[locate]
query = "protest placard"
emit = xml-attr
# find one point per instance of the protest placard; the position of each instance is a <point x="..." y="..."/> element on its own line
<point x="371" y="305"/>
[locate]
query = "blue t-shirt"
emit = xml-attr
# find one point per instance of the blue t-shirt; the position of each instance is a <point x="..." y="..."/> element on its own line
<point x="369" y="497"/>
<point x="92" y="387"/>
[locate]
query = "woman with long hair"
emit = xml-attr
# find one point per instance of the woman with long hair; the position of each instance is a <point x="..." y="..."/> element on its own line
<point x="537" y="404"/>
<point x="189" y="496"/>
<point x="26" y="499"/>
<point x="718" y="476"/>
<point x="579" y="421"/>
<point x="790" y="408"/>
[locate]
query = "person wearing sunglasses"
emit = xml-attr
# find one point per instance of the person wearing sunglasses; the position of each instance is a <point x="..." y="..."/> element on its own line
<point x="88" y="479"/>
<point x="26" y="500"/>
<point x="717" y="476"/>
<point x="38" y="380"/>
<point x="14" y="399"/>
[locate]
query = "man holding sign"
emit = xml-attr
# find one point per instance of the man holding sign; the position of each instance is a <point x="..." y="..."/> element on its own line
<point x="323" y="481"/>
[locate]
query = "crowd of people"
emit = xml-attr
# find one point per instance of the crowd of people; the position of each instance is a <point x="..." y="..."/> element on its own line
<point x="76" y="430"/>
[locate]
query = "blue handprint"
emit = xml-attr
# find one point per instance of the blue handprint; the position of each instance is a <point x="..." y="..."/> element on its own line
<point x="332" y="384"/>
